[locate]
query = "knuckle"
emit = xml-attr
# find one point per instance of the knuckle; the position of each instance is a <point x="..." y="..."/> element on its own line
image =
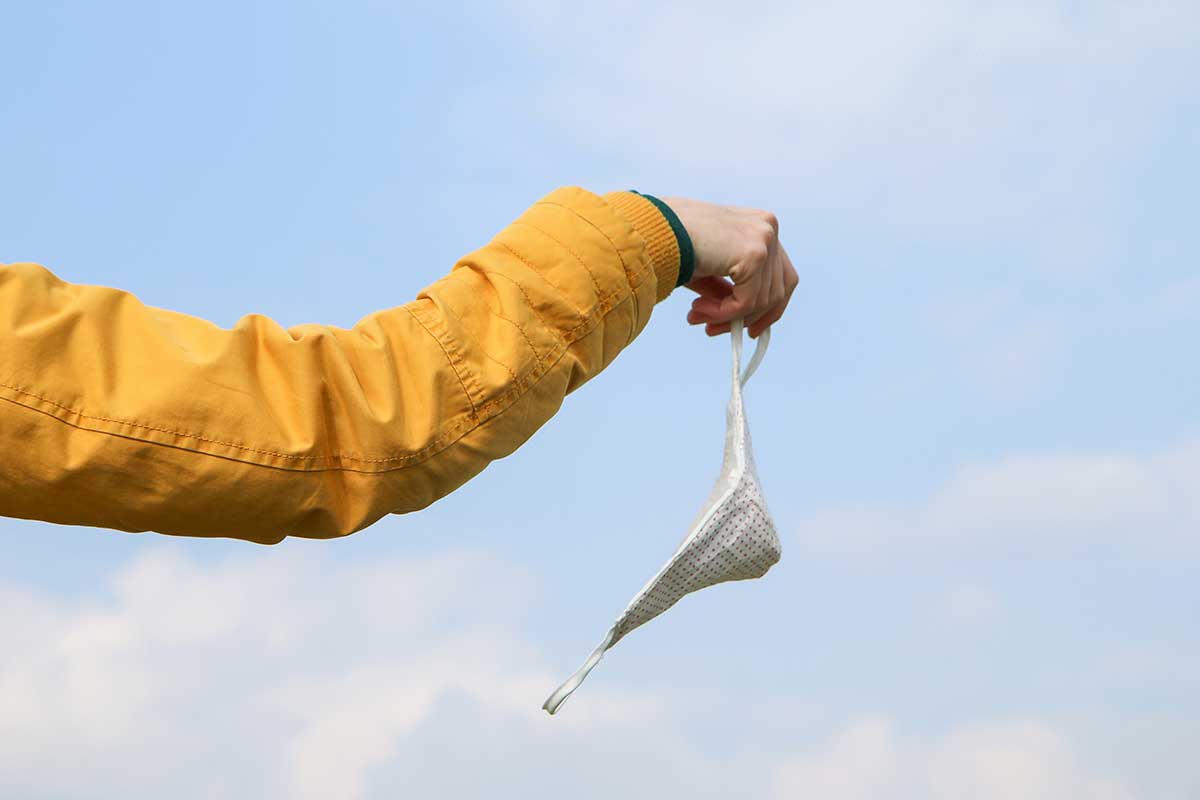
<point x="758" y="251"/>
<point x="771" y="220"/>
<point x="764" y="231"/>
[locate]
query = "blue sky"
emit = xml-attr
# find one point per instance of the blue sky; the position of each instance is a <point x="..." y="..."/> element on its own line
<point x="976" y="427"/>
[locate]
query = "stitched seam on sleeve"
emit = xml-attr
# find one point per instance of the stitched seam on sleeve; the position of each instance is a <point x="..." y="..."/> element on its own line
<point x="463" y="425"/>
<point x="565" y="297"/>
<point x="484" y="350"/>
<point x="629" y="275"/>
<point x="562" y="244"/>
<point x="537" y="356"/>
<point x="633" y="321"/>
<point x="416" y="455"/>
<point x="478" y="414"/>
<point x="506" y="367"/>
<point x="187" y="435"/>
<point x="531" y="305"/>
<point x="633" y="278"/>
<point x="449" y="360"/>
<point x="456" y="430"/>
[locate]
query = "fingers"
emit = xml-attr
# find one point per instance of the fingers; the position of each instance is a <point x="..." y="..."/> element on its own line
<point x="711" y="286"/>
<point x="725" y="309"/>
<point x="789" y="281"/>
<point x="766" y="320"/>
<point x="771" y="293"/>
<point x="773" y="298"/>
<point x="749" y="300"/>
<point x="712" y="290"/>
<point x="742" y="300"/>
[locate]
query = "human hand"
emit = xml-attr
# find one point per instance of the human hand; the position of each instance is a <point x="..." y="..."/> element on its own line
<point x="742" y="269"/>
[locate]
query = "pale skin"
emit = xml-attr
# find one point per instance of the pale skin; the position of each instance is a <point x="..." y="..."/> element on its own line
<point x="742" y="269"/>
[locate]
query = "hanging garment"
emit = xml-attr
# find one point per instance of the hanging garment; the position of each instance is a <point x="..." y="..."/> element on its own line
<point x="732" y="539"/>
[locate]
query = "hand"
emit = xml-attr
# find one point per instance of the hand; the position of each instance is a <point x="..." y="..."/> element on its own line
<point x="742" y="269"/>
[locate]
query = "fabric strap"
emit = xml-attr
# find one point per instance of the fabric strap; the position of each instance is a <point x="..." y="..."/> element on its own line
<point x="760" y="350"/>
<point x="739" y="380"/>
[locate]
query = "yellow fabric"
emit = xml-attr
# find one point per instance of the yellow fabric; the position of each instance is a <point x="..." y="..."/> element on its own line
<point x="119" y="415"/>
<point x="661" y="243"/>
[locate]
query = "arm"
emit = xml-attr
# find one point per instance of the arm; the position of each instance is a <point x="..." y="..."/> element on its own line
<point x="118" y="415"/>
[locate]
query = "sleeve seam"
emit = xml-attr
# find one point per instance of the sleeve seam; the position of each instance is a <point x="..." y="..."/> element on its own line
<point x="449" y="359"/>
<point x="456" y="430"/>
<point x="632" y="277"/>
<point x="458" y="427"/>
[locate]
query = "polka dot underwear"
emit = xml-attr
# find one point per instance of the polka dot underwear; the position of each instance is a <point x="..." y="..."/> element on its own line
<point x="732" y="538"/>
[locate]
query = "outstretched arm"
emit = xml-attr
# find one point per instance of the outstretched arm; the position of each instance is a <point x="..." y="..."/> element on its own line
<point x="119" y="415"/>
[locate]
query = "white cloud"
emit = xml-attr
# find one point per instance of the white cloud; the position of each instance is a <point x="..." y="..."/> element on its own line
<point x="859" y="763"/>
<point x="947" y="121"/>
<point x="292" y="677"/>
<point x="868" y="760"/>
<point x="282" y="676"/>
<point x="1053" y="500"/>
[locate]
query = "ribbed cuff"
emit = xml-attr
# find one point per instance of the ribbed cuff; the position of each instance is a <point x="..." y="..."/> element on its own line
<point x="687" y="254"/>
<point x="655" y="228"/>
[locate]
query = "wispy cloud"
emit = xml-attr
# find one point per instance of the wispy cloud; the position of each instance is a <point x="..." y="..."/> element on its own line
<point x="870" y="760"/>
<point x="279" y="676"/>
<point x="947" y="122"/>
<point x="1056" y="499"/>
<point x="294" y="677"/>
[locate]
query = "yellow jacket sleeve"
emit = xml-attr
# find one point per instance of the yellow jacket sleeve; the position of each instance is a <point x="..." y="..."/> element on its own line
<point x="118" y="415"/>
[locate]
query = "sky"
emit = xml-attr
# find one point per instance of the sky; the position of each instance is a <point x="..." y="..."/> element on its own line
<point x="976" y="427"/>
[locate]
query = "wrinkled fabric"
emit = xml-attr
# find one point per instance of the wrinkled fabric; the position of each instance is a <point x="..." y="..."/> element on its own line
<point x="732" y="538"/>
<point x="118" y="415"/>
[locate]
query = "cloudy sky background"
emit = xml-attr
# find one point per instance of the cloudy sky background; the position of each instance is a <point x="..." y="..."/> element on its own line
<point x="976" y="427"/>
